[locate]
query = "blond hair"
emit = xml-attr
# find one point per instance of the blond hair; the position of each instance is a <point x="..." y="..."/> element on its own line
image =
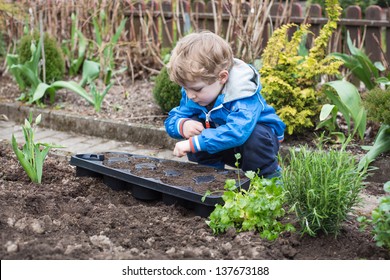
<point x="199" y="56"/>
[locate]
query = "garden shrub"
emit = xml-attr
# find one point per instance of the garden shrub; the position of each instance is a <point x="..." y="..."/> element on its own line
<point x="377" y="103"/>
<point x="54" y="58"/>
<point x="289" y="76"/>
<point x="166" y="93"/>
<point x="322" y="187"/>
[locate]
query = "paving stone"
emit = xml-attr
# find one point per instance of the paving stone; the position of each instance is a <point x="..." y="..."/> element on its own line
<point x="6" y="132"/>
<point x="105" y="146"/>
<point x="42" y="134"/>
<point x="72" y="140"/>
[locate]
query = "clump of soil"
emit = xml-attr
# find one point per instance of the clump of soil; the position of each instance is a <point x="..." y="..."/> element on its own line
<point x="69" y="217"/>
<point x="184" y="175"/>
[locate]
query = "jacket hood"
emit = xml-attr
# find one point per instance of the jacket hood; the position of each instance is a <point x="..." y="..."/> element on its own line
<point x="243" y="81"/>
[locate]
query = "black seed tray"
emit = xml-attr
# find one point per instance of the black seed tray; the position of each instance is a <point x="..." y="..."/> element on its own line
<point x="149" y="188"/>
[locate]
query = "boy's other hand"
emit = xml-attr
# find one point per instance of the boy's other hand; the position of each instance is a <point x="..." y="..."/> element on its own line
<point x="192" y="128"/>
<point x="182" y="148"/>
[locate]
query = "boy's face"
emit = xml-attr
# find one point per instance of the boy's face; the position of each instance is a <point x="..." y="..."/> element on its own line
<point x="203" y="93"/>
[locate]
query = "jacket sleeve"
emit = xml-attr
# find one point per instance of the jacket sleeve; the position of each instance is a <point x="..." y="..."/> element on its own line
<point x="177" y="116"/>
<point x="239" y="125"/>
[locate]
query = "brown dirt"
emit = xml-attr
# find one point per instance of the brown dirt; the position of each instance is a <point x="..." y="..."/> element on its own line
<point x="69" y="217"/>
<point x="125" y="101"/>
<point x="185" y="175"/>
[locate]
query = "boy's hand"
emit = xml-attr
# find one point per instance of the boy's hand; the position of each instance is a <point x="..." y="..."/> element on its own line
<point x="192" y="128"/>
<point x="182" y="148"/>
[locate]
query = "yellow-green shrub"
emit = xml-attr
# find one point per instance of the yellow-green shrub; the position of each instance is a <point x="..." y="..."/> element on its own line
<point x="289" y="79"/>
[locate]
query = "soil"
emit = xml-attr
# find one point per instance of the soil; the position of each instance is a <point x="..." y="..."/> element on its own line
<point x="189" y="176"/>
<point x="125" y="101"/>
<point x="70" y="217"/>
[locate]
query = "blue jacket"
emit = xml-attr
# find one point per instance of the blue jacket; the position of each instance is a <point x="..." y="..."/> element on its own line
<point x="237" y="110"/>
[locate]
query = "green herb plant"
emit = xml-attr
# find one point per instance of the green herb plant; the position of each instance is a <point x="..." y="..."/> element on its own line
<point x="380" y="220"/>
<point x="259" y="208"/>
<point x="32" y="155"/>
<point x="322" y="187"/>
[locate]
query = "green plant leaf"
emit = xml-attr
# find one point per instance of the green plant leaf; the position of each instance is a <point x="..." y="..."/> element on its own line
<point x="40" y="158"/>
<point x="11" y="61"/>
<point x="23" y="161"/>
<point x="325" y="111"/>
<point x="40" y="92"/>
<point x="31" y="75"/>
<point x="118" y="32"/>
<point x="349" y="104"/>
<point x="75" y="87"/>
<point x="381" y="145"/>
<point x="98" y="36"/>
<point x="91" y="70"/>
<point x="383" y="80"/>
<point x="386" y="187"/>
<point x="379" y="66"/>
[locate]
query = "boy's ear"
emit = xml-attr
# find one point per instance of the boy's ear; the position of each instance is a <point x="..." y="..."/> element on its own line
<point x="223" y="76"/>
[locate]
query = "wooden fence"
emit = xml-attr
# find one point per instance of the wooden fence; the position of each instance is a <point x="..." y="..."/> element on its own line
<point x="160" y="23"/>
<point x="371" y="32"/>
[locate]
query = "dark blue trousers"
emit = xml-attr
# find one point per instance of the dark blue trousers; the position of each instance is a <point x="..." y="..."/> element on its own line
<point x="259" y="154"/>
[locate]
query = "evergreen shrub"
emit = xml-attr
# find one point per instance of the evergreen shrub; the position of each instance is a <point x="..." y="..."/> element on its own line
<point x="54" y="58"/>
<point x="377" y="103"/>
<point x="166" y="93"/>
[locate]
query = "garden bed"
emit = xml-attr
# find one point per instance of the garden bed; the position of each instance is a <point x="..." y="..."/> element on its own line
<point x="69" y="217"/>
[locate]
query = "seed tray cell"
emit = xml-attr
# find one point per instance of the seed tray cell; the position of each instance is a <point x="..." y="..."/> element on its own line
<point x="150" y="178"/>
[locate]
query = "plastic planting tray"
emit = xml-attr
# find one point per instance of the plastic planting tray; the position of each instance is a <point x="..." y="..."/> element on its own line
<point x="150" y="178"/>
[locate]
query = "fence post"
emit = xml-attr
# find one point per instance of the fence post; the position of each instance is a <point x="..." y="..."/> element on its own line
<point x="245" y="10"/>
<point x="210" y="25"/>
<point x="276" y="12"/>
<point x="225" y="20"/>
<point x="388" y="37"/>
<point x="296" y="11"/>
<point x="184" y="18"/>
<point x="167" y="18"/>
<point x="154" y="9"/>
<point x="139" y="13"/>
<point x="373" y="36"/>
<point x="353" y="12"/>
<point x="315" y="11"/>
<point x="200" y="22"/>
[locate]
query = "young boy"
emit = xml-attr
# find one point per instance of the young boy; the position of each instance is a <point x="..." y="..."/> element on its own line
<point x="221" y="112"/>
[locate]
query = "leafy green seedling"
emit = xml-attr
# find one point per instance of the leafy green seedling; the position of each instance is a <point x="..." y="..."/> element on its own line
<point x="380" y="220"/>
<point x="259" y="208"/>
